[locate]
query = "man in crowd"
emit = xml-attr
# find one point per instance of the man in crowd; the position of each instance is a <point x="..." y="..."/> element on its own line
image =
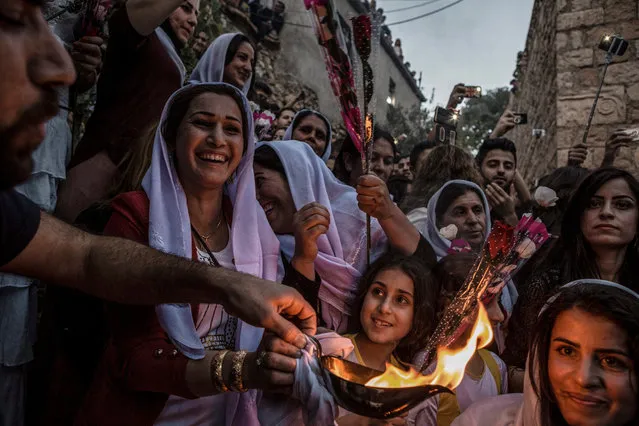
<point x="285" y="118"/>
<point x="142" y="68"/>
<point x="404" y="168"/>
<point x="34" y="66"/>
<point x="200" y="43"/>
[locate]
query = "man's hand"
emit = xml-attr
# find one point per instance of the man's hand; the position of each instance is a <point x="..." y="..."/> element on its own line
<point x="456" y="96"/>
<point x="505" y="124"/>
<point x="309" y="223"/>
<point x="502" y="203"/>
<point x="87" y="58"/>
<point x="617" y="140"/>
<point x="373" y="197"/>
<point x="272" y="367"/>
<point x="577" y="154"/>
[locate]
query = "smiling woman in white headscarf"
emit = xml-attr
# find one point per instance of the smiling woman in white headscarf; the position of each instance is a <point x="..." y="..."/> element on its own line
<point x="581" y="364"/>
<point x="229" y="59"/>
<point x="174" y="364"/>
<point x="314" y="129"/>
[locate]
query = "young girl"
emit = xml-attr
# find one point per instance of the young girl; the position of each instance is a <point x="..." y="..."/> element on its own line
<point x="486" y="374"/>
<point x="397" y="300"/>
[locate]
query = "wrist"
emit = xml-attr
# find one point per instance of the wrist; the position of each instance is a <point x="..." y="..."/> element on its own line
<point x="391" y="214"/>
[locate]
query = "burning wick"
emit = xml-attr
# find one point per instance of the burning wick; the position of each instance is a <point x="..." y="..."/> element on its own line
<point x="451" y="363"/>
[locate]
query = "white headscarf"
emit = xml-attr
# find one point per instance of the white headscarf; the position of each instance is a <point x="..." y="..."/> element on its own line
<point x="255" y="247"/>
<point x="210" y="67"/>
<point x="342" y="250"/>
<point x="520" y="409"/>
<point x="288" y="135"/>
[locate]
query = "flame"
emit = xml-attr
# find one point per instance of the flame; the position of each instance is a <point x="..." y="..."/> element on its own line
<point x="451" y="363"/>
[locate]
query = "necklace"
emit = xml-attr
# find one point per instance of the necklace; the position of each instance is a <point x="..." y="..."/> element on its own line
<point x="206" y="237"/>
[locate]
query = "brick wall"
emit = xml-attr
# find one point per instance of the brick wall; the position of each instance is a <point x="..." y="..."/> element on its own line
<point x="560" y="100"/>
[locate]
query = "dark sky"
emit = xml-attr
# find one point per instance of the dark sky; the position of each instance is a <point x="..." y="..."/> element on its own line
<point x="474" y="42"/>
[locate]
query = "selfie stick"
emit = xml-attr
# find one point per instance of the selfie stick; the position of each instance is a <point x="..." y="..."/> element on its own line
<point x="607" y="62"/>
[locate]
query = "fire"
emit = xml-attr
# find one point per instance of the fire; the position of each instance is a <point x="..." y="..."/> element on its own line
<point x="451" y="363"/>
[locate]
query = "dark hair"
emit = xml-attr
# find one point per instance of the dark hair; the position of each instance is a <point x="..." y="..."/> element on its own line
<point x="424" y="298"/>
<point x="305" y="113"/>
<point x="348" y="147"/>
<point x="571" y="251"/>
<point x="234" y="45"/>
<point x="262" y="85"/>
<point x="448" y="196"/>
<point x="279" y="114"/>
<point x="444" y="163"/>
<point x="180" y="105"/>
<point x="492" y="144"/>
<point x="417" y="151"/>
<point x="607" y="302"/>
<point x="266" y="157"/>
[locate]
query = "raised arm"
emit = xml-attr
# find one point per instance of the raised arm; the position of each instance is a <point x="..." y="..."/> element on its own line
<point x="126" y="272"/>
<point x="147" y="15"/>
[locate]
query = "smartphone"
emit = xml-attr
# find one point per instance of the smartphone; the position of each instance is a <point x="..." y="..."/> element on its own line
<point x="614" y="44"/>
<point x="521" y="118"/>
<point x="446" y="117"/>
<point x="473" y="92"/>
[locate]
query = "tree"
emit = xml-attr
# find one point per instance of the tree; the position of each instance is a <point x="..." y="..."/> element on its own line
<point x="479" y="116"/>
<point x="414" y="122"/>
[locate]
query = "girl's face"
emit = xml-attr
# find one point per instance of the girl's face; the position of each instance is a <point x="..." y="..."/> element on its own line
<point x="274" y="195"/>
<point x="387" y="311"/>
<point x="312" y="130"/>
<point x="591" y="373"/>
<point x="210" y="141"/>
<point x="610" y="219"/>
<point x="238" y="72"/>
<point x="467" y="213"/>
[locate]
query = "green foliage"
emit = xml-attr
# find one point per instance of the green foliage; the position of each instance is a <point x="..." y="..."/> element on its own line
<point x="479" y="116"/>
<point x="414" y="122"/>
<point x="209" y="21"/>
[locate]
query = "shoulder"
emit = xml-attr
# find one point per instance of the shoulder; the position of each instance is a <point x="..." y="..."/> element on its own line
<point x="130" y="218"/>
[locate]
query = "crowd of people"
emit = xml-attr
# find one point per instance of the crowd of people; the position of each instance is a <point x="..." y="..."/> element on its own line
<point x="172" y="264"/>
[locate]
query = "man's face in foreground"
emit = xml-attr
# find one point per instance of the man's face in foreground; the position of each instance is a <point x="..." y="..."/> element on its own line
<point x="33" y="64"/>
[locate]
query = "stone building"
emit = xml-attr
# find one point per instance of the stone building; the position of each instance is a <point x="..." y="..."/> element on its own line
<point x="300" y="55"/>
<point x="561" y="75"/>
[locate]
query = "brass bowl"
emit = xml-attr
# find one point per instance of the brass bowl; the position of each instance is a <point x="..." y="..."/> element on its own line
<point x="347" y="380"/>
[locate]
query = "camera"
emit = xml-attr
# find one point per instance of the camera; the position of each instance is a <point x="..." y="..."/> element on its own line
<point x="538" y="133"/>
<point x="473" y="92"/>
<point x="613" y="44"/>
<point x="445" y="125"/>
<point x="520" y="118"/>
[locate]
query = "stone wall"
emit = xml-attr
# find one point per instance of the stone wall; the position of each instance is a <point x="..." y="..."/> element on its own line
<point x="572" y="51"/>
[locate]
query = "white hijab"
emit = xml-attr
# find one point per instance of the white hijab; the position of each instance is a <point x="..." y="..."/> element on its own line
<point x="210" y="67"/>
<point x="520" y="409"/>
<point x="255" y="247"/>
<point x="288" y="135"/>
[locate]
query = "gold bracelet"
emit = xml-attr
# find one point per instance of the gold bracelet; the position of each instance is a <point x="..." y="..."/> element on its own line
<point x="236" y="372"/>
<point x="216" y="371"/>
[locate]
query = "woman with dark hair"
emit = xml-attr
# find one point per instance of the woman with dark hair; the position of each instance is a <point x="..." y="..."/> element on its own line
<point x="581" y="367"/>
<point x="598" y="240"/>
<point x="314" y="129"/>
<point x="348" y="165"/>
<point x="230" y="59"/>
<point x="192" y="364"/>
<point x="444" y="163"/>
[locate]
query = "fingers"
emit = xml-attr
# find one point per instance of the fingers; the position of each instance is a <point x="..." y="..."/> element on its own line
<point x="292" y="305"/>
<point x="275" y="344"/>
<point x="86" y="49"/>
<point x="98" y="41"/>
<point x="280" y="363"/>
<point x="498" y="190"/>
<point x="494" y="197"/>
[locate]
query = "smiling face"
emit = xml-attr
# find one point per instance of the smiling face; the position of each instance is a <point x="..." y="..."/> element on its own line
<point x="312" y="130"/>
<point x="590" y="371"/>
<point x="210" y="142"/>
<point x="238" y="72"/>
<point x="467" y="213"/>
<point x="387" y="311"/>
<point x="200" y="43"/>
<point x="610" y="219"/>
<point x="184" y="19"/>
<point x="499" y="167"/>
<point x="33" y="65"/>
<point x="274" y="195"/>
